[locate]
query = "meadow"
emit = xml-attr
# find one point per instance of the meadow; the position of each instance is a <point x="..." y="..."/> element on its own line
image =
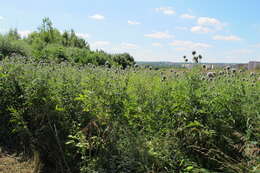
<point x="92" y="119"/>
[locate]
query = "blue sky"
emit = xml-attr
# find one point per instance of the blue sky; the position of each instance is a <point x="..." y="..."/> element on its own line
<point x="151" y="30"/>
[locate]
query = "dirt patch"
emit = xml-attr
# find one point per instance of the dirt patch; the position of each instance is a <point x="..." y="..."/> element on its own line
<point x="12" y="164"/>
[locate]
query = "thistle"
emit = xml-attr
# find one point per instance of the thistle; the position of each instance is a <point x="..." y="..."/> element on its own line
<point x="211" y="74"/>
<point x="164" y="78"/>
<point x="252" y="74"/>
<point x="221" y="73"/>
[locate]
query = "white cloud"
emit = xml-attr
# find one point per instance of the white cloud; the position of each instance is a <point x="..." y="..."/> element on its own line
<point x="100" y="44"/>
<point x="227" y="38"/>
<point x="133" y="22"/>
<point x="207" y="24"/>
<point x="187" y="16"/>
<point x="1" y="18"/>
<point x="25" y="33"/>
<point x="82" y="35"/>
<point x="129" y="46"/>
<point x="185" y="45"/>
<point x="159" y="35"/>
<point x="166" y="10"/>
<point x="182" y="28"/>
<point x="97" y="17"/>
<point x="207" y="21"/>
<point x="157" y="44"/>
<point x="200" y="29"/>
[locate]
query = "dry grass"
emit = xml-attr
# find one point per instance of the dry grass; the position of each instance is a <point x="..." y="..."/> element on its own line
<point x="12" y="164"/>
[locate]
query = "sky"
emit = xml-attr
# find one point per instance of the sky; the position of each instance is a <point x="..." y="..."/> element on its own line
<point x="150" y="30"/>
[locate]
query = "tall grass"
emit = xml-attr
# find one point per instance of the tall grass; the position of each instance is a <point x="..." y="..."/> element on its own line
<point x="84" y="119"/>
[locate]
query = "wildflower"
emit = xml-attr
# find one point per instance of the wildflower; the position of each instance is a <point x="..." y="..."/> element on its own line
<point x="227" y="68"/>
<point x="252" y="74"/>
<point x="221" y="73"/>
<point x="164" y="78"/>
<point x="233" y="70"/>
<point x="210" y="79"/>
<point x="107" y="64"/>
<point x="211" y="74"/>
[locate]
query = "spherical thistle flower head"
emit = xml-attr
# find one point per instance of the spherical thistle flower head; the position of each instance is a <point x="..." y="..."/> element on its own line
<point x="252" y="74"/>
<point x="227" y="68"/>
<point x="164" y="78"/>
<point x="221" y="73"/>
<point x="211" y="74"/>
<point x="204" y="66"/>
<point x="233" y="70"/>
<point x="107" y="64"/>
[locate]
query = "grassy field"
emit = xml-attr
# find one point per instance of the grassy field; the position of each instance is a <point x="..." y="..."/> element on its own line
<point x="73" y="118"/>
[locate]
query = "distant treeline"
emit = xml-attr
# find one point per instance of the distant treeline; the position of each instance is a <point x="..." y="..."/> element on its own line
<point x="48" y="44"/>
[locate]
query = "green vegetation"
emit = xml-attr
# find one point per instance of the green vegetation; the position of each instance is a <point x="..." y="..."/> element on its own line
<point x="80" y="118"/>
<point x="48" y="44"/>
<point x="73" y="110"/>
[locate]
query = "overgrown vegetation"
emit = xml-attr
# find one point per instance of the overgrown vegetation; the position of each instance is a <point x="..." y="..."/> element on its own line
<point x="80" y="118"/>
<point x="48" y="44"/>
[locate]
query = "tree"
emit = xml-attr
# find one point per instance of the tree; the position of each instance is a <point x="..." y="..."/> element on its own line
<point x="124" y="59"/>
<point x="13" y="34"/>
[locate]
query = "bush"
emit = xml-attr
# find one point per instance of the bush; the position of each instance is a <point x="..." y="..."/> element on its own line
<point x="110" y="120"/>
<point x="10" y="47"/>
